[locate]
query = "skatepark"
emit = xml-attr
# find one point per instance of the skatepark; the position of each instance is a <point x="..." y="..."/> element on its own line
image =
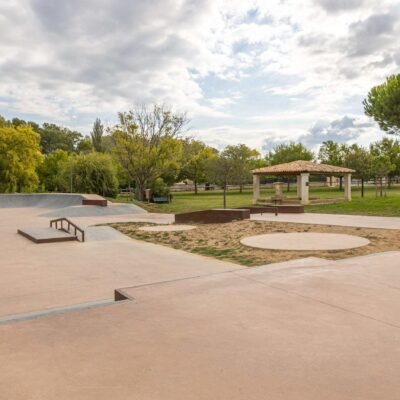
<point x="187" y="326"/>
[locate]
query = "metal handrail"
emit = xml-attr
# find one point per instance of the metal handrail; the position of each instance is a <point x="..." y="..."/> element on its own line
<point x="70" y="223"/>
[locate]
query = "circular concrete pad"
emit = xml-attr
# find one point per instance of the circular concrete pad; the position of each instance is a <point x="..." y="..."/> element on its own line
<point x="167" y="228"/>
<point x="304" y="241"/>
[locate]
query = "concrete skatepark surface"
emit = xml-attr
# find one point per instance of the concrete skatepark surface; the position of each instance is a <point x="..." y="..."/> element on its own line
<point x="305" y="241"/>
<point x="196" y="328"/>
<point x="36" y="277"/>
<point x="298" y="332"/>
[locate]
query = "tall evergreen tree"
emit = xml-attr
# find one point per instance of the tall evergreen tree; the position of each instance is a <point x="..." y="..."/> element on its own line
<point x="383" y="104"/>
<point x="97" y="135"/>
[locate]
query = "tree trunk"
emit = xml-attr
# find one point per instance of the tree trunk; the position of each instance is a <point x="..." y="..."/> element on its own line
<point x="225" y="196"/>
<point x="387" y="183"/>
<point x="241" y="188"/>
<point x="341" y="183"/>
<point x="195" y="187"/>
<point x="140" y="190"/>
<point x="288" y="185"/>
<point x="381" y="186"/>
<point x="362" y="187"/>
<point x="376" y="188"/>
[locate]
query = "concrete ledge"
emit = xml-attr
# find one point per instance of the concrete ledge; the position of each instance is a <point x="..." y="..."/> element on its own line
<point x="46" y="235"/>
<point x="93" y="200"/>
<point x="216" y="215"/>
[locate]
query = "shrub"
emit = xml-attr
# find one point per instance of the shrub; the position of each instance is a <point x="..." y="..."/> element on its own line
<point x="160" y="188"/>
<point x="90" y="173"/>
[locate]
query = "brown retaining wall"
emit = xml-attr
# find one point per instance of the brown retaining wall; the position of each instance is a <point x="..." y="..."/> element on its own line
<point x="213" y="216"/>
<point x="281" y="208"/>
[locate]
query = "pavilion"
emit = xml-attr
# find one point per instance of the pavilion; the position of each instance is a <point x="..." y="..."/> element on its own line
<point x="302" y="170"/>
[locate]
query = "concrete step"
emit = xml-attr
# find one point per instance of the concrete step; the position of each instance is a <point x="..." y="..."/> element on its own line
<point x="46" y="235"/>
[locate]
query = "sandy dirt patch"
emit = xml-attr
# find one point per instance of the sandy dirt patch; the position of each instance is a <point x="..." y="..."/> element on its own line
<point x="222" y="241"/>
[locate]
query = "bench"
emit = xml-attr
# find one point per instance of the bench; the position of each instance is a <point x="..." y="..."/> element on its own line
<point x="161" y="199"/>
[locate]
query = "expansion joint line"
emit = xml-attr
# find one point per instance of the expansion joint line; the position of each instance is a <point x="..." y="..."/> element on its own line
<point x="320" y="302"/>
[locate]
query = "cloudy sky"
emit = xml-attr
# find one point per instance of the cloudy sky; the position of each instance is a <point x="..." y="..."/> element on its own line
<point x="254" y="72"/>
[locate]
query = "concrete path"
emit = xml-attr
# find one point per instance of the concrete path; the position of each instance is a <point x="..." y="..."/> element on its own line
<point x="306" y="330"/>
<point x="333" y="219"/>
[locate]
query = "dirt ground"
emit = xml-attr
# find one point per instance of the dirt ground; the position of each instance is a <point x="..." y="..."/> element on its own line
<point x="222" y="241"/>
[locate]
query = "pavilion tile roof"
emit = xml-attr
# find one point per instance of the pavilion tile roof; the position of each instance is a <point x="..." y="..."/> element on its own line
<point x="301" y="166"/>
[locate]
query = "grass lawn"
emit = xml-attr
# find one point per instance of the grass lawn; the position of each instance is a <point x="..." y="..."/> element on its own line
<point x="369" y="205"/>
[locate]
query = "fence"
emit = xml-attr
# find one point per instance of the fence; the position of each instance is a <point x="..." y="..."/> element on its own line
<point x="202" y="188"/>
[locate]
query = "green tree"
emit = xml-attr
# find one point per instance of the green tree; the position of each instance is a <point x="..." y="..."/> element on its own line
<point x="19" y="158"/>
<point x="221" y="170"/>
<point x="97" y="135"/>
<point x="53" y="137"/>
<point x="332" y="153"/>
<point x="196" y="156"/>
<point x="381" y="168"/>
<point x="18" y="122"/>
<point x="391" y="149"/>
<point x="284" y="153"/>
<point x="360" y="160"/>
<point x="85" y="145"/>
<point x="89" y="173"/>
<point x="147" y="145"/>
<point x="383" y="104"/>
<point x="244" y="159"/>
<point x="49" y="171"/>
<point x="3" y="122"/>
<point x="108" y="143"/>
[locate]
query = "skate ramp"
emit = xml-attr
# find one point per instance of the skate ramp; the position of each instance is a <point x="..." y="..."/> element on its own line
<point x="40" y="200"/>
<point x="66" y="205"/>
<point x="94" y="211"/>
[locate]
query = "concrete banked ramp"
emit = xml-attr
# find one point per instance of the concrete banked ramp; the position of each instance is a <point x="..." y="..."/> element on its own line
<point x="93" y="211"/>
<point x="40" y="200"/>
<point x="65" y="205"/>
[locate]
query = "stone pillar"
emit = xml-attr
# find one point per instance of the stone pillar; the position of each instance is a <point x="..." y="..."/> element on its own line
<point x="298" y="181"/>
<point x="347" y="187"/>
<point x="256" y="188"/>
<point x="304" y="188"/>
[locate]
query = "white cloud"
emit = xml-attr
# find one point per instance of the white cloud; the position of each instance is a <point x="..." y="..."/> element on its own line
<point x="242" y="69"/>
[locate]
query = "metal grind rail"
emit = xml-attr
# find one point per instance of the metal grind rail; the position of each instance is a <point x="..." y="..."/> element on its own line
<point x="69" y="224"/>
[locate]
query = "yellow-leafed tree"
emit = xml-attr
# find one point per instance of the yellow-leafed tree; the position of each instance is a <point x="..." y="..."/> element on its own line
<point x="19" y="158"/>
